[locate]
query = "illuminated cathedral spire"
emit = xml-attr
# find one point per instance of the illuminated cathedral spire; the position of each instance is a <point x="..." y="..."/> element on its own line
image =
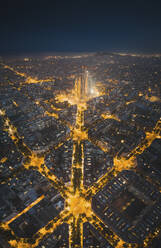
<point x="83" y="85"/>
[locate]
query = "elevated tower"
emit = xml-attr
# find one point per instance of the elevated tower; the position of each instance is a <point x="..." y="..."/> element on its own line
<point x="83" y="85"/>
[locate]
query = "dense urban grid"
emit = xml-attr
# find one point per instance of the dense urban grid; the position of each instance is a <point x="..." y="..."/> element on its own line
<point x="80" y="159"/>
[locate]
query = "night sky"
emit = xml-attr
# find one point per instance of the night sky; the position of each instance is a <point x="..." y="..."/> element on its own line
<point x="79" y="26"/>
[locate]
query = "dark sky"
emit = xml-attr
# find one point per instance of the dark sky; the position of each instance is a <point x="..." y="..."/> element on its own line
<point x="81" y="25"/>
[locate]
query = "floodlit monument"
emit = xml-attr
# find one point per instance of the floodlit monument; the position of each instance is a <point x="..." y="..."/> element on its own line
<point x="84" y="85"/>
